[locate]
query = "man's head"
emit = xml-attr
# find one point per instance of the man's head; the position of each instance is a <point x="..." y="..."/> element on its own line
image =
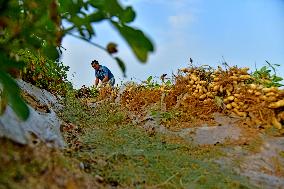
<point x="95" y="64"/>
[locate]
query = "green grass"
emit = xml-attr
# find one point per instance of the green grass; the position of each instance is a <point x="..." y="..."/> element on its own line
<point x="127" y="156"/>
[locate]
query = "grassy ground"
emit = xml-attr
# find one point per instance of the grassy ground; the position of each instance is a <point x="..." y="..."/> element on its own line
<point x="105" y="150"/>
<point x="127" y="156"/>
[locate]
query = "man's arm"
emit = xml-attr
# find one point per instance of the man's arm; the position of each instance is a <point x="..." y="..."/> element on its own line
<point x="96" y="82"/>
<point x="105" y="79"/>
<point x="106" y="76"/>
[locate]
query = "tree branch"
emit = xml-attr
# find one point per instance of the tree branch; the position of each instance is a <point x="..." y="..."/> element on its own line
<point x="92" y="43"/>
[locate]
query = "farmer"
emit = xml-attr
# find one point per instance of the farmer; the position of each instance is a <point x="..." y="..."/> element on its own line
<point x="103" y="74"/>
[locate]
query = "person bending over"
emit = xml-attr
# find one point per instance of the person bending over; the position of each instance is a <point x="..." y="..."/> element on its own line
<point x="103" y="74"/>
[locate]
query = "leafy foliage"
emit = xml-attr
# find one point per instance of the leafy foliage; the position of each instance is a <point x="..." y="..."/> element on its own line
<point x="80" y="16"/>
<point x="38" y="27"/>
<point x="265" y="77"/>
<point x="150" y="83"/>
<point x="44" y="73"/>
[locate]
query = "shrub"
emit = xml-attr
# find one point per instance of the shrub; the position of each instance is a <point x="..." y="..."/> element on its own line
<point x="45" y="73"/>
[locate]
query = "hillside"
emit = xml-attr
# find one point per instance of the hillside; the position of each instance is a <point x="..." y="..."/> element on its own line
<point x="203" y="128"/>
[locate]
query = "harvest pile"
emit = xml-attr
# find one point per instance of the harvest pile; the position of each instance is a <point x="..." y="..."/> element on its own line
<point x="198" y="92"/>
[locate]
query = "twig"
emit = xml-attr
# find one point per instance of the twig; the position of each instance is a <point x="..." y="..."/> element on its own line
<point x="163" y="104"/>
<point x="92" y="43"/>
<point x="166" y="181"/>
<point x="261" y="117"/>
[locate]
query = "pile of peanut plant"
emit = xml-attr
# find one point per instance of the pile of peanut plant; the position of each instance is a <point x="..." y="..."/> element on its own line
<point x="198" y="92"/>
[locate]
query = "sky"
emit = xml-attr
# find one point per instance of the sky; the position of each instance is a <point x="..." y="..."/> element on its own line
<point x="245" y="33"/>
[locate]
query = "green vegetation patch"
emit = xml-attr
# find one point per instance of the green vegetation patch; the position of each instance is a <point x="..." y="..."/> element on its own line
<point x="128" y="156"/>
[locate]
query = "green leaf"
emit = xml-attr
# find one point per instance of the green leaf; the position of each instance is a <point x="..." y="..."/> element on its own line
<point x="12" y="91"/>
<point x="90" y="30"/>
<point x="128" y="15"/>
<point x="276" y="78"/>
<point x="149" y="79"/>
<point x="51" y="52"/>
<point x="97" y="4"/>
<point x="96" y="16"/>
<point x="113" y="8"/>
<point x="263" y="69"/>
<point x="35" y="41"/>
<point x="8" y="83"/>
<point x="168" y="83"/>
<point x="70" y="7"/>
<point x="136" y="39"/>
<point x="19" y="107"/>
<point x="121" y="65"/>
<point x="6" y="63"/>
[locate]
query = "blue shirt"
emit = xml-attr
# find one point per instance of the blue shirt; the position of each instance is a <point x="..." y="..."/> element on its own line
<point x="102" y="72"/>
